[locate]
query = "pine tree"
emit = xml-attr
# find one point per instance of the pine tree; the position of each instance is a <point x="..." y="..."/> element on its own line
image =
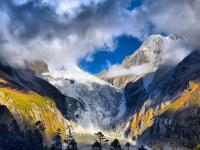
<point x="142" y="148"/>
<point x="96" y="146"/>
<point x="100" y="141"/>
<point x="70" y="142"/>
<point x="101" y="138"/>
<point x="116" y="145"/>
<point x="128" y="145"/>
<point x="57" y="141"/>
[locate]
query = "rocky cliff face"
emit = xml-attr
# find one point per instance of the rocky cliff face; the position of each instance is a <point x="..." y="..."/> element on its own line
<point x="167" y="109"/>
<point x="177" y="122"/>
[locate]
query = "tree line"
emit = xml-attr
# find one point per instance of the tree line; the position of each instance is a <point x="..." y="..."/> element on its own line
<point x="13" y="138"/>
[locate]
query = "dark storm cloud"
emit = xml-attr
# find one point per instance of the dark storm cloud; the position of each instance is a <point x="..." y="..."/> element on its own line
<point x="176" y="16"/>
<point x="2" y="39"/>
<point x="35" y="17"/>
<point x="31" y="18"/>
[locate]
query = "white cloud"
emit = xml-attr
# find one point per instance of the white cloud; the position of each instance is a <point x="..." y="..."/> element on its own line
<point x="89" y="59"/>
<point x="173" y="51"/>
<point x="176" y="16"/>
<point x="71" y="7"/>
<point x="119" y="70"/>
<point x="64" y="31"/>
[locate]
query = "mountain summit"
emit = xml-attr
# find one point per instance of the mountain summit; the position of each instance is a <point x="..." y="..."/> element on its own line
<point x="149" y="54"/>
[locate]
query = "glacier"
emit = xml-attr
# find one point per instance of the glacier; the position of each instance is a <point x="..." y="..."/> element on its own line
<point x="104" y="104"/>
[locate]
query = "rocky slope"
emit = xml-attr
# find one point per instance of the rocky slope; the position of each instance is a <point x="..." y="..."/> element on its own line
<point x="167" y="110"/>
<point x="179" y="121"/>
<point x="31" y="99"/>
<point x="28" y="107"/>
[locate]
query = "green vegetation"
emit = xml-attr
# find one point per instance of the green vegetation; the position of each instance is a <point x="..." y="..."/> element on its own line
<point x="12" y="137"/>
<point x="127" y="145"/>
<point x="197" y="147"/>
<point x="183" y="114"/>
<point x="116" y="145"/>
<point x="32" y="107"/>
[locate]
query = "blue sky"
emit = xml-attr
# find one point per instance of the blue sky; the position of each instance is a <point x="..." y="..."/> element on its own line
<point x="126" y="45"/>
<point x="135" y="4"/>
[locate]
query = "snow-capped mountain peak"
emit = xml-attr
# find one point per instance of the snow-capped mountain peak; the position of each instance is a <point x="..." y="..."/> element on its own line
<point x="156" y="51"/>
<point x="149" y="52"/>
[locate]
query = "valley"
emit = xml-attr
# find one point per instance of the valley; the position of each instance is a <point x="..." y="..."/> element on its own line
<point x="159" y="108"/>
